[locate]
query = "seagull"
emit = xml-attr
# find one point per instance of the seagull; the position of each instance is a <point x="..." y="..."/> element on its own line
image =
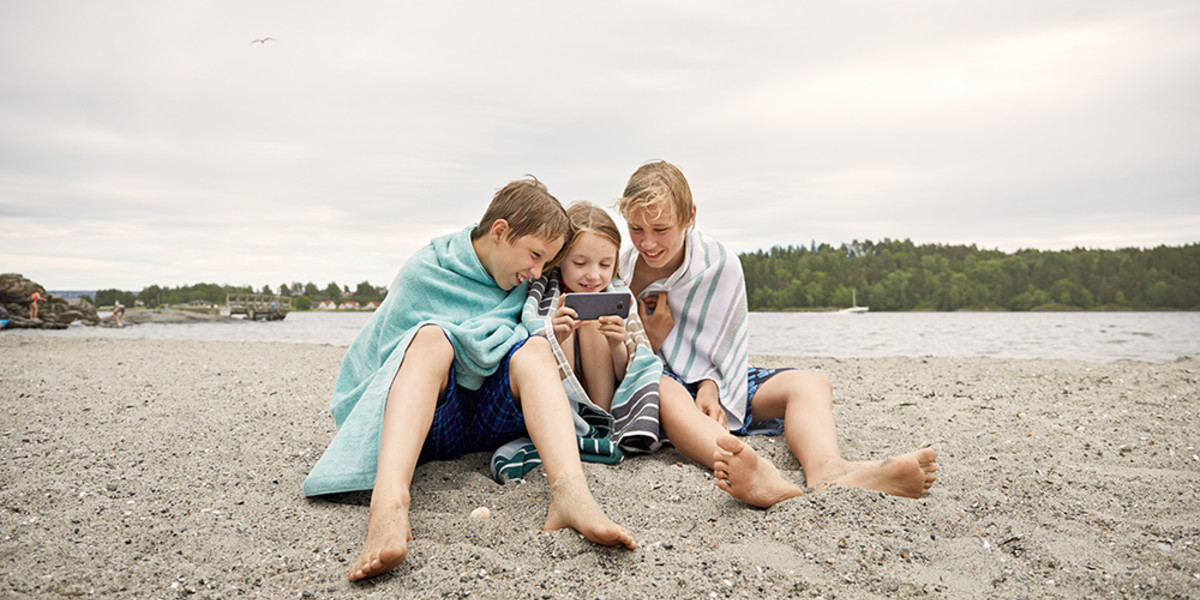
<point x="262" y="40"/>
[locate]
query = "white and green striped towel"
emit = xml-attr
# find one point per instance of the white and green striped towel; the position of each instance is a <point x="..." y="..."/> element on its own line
<point x="707" y="295"/>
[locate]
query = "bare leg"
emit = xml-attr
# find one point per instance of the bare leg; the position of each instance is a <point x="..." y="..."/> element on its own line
<point x="805" y="400"/>
<point x="533" y="375"/>
<point x="743" y="474"/>
<point x="411" y="401"/>
<point x="598" y="377"/>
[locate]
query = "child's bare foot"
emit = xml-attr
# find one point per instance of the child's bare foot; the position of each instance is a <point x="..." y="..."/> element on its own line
<point x="907" y="475"/>
<point x="572" y="505"/>
<point x="388" y="534"/>
<point x="745" y="475"/>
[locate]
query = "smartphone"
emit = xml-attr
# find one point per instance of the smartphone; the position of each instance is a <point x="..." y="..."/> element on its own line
<point x="593" y="305"/>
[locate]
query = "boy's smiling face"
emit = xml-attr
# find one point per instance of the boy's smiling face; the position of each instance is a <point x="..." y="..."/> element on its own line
<point x="515" y="261"/>
<point x="659" y="238"/>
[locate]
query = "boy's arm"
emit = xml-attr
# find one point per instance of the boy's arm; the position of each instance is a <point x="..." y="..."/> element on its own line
<point x="708" y="400"/>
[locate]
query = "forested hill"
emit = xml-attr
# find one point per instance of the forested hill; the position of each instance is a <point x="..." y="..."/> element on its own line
<point x="900" y="275"/>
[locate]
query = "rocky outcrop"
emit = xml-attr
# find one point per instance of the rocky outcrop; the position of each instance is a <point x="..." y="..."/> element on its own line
<point x="141" y="316"/>
<point x="53" y="312"/>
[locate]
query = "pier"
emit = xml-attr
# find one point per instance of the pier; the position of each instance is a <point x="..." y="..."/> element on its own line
<point x="258" y="306"/>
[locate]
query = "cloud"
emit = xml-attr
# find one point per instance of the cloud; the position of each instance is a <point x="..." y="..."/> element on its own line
<point x="147" y="143"/>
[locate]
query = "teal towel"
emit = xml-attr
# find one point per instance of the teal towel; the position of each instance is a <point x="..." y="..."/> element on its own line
<point x="443" y="284"/>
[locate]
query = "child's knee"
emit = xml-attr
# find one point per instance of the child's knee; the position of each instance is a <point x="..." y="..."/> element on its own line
<point x="432" y="343"/>
<point x="535" y="349"/>
<point x="805" y="387"/>
<point x="536" y="344"/>
<point x="818" y="382"/>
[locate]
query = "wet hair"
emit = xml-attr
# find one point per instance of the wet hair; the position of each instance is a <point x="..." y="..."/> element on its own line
<point x="659" y="188"/>
<point x="529" y="209"/>
<point x="589" y="218"/>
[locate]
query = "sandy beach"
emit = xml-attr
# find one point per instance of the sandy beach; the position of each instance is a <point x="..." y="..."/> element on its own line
<point x="172" y="469"/>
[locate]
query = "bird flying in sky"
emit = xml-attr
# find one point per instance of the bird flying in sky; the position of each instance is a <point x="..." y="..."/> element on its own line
<point x="262" y="40"/>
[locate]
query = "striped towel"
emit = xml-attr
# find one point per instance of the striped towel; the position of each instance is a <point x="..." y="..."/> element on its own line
<point x="707" y="295"/>
<point x="633" y="424"/>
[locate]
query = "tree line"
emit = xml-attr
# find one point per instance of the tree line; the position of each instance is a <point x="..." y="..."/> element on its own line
<point x="889" y="275"/>
<point x="894" y="275"/>
<point x="304" y="295"/>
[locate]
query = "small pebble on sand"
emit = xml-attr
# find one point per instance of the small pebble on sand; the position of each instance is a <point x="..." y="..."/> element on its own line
<point x="481" y="513"/>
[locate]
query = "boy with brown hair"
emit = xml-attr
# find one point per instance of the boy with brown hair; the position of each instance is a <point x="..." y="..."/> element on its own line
<point x="692" y="302"/>
<point x="444" y="368"/>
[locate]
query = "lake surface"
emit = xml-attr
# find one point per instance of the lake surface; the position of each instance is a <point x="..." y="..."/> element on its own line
<point x="1091" y="336"/>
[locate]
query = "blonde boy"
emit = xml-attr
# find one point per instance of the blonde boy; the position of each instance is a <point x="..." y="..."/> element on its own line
<point x="692" y="301"/>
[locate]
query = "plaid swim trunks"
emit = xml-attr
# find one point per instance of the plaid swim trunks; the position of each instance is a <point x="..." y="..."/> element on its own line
<point x="480" y="420"/>
<point x="755" y="377"/>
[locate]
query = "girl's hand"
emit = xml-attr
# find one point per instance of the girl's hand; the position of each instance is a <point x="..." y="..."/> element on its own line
<point x="564" y="322"/>
<point x="613" y="329"/>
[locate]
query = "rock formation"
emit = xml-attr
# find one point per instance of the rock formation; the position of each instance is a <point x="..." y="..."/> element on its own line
<point x="53" y="312"/>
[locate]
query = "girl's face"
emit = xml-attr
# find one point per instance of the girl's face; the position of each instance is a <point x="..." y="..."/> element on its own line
<point x="589" y="264"/>
<point x="658" y="239"/>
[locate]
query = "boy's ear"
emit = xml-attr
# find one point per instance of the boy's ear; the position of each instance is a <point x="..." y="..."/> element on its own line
<point x="499" y="231"/>
<point x="693" y="220"/>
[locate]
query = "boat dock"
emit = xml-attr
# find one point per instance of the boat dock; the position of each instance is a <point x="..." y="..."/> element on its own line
<point x="258" y="306"/>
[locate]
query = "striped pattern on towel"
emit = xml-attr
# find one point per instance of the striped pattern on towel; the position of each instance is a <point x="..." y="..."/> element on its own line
<point x="707" y="296"/>
<point x="633" y="424"/>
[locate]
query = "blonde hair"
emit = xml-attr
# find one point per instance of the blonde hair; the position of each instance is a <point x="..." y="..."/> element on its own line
<point x="659" y="188"/>
<point x="589" y="218"/>
<point x="529" y="209"/>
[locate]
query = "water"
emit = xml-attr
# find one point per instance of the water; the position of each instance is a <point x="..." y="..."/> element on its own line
<point x="1091" y="336"/>
<point x="317" y="327"/>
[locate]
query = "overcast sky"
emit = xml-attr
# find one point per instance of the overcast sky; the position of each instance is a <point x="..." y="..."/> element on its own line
<point x="152" y="143"/>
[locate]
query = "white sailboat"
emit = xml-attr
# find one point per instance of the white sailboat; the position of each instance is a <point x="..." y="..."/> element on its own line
<point x="854" y="307"/>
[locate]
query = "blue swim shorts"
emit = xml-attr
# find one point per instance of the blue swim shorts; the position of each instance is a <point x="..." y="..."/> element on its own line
<point x="755" y="377"/>
<point x="480" y="420"/>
